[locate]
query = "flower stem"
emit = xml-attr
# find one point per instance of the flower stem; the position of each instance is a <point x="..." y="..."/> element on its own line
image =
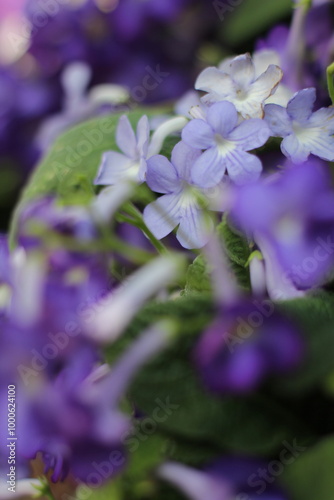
<point x="330" y="81"/>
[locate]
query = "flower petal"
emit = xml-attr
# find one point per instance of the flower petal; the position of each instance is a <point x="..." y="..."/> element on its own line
<point x="250" y="134"/>
<point x="242" y="70"/>
<point x="143" y="135"/>
<point x="183" y="159"/>
<point x="262" y="59"/>
<point x="216" y="83"/>
<point x="323" y="118"/>
<point x="294" y="149"/>
<point x="243" y="167"/>
<point x="194" y="229"/>
<point x="113" y="168"/>
<point x="222" y="117"/>
<point x="198" y="134"/>
<point x="161" y="175"/>
<point x="278" y="120"/>
<point x="162" y="216"/>
<point x="301" y="105"/>
<point x="126" y="138"/>
<point x="323" y="146"/>
<point x="265" y="85"/>
<point x="209" y="169"/>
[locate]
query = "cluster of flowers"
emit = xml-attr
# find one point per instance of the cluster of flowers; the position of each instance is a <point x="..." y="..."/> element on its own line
<point x="60" y="302"/>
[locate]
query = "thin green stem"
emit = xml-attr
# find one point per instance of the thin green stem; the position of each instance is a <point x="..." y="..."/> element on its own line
<point x="330" y="81"/>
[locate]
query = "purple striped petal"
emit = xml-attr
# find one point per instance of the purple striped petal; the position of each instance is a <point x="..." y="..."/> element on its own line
<point x="243" y="167"/>
<point x="198" y="134"/>
<point x="222" y="117"/>
<point x="162" y="216"/>
<point x="301" y="105"/>
<point x="278" y="120"/>
<point x="250" y="134"/>
<point x="209" y="169"/>
<point x="113" y="167"/>
<point x="161" y="175"/>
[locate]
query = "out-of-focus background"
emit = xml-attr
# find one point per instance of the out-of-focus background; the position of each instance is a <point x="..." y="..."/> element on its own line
<point x="127" y="42"/>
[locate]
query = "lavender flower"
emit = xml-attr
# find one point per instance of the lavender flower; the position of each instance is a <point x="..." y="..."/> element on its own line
<point x="292" y="216"/>
<point x="304" y="132"/>
<point x="179" y="205"/>
<point x="225" y="479"/>
<point x="226" y="145"/>
<point x="131" y="164"/>
<point x="247" y="342"/>
<point x="240" y="85"/>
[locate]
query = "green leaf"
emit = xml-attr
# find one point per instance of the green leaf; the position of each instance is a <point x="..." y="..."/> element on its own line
<point x="68" y="170"/>
<point x="198" y="279"/>
<point x="251" y="19"/>
<point x="238" y="250"/>
<point x="311" y="476"/>
<point x="170" y="385"/>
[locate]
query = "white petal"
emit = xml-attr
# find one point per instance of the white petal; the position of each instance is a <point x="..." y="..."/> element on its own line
<point x="126" y="138"/>
<point x="242" y="71"/>
<point x="115" y="167"/>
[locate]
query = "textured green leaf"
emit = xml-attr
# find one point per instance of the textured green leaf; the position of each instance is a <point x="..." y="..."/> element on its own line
<point x="68" y="170"/>
<point x="198" y="279"/>
<point x="238" y="251"/>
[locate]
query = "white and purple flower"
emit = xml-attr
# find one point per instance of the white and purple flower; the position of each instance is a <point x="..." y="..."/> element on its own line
<point x="303" y="131"/>
<point x="180" y="203"/>
<point x="226" y="144"/>
<point x="239" y="84"/>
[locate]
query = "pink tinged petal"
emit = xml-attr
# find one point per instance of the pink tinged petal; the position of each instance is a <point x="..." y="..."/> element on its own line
<point x="161" y="175"/>
<point x="216" y="83"/>
<point x="301" y="105"/>
<point x="114" y="166"/>
<point x="323" y="118"/>
<point x="242" y="70"/>
<point x="209" y="169"/>
<point x="163" y="215"/>
<point x="222" y="117"/>
<point x="183" y="159"/>
<point x="265" y="86"/>
<point x="250" y="134"/>
<point x="126" y="138"/>
<point x="294" y="149"/>
<point x="243" y="167"/>
<point x="194" y="229"/>
<point x="143" y="135"/>
<point x="278" y="120"/>
<point x="195" y="484"/>
<point x="198" y="134"/>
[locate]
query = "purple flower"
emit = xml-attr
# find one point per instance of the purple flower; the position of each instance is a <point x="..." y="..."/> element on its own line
<point x="226" y="478"/>
<point x="131" y="163"/>
<point x="247" y="342"/>
<point x="304" y="132"/>
<point x="179" y="205"/>
<point x="74" y="419"/>
<point x="240" y="85"/>
<point x="226" y="145"/>
<point x="293" y="216"/>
